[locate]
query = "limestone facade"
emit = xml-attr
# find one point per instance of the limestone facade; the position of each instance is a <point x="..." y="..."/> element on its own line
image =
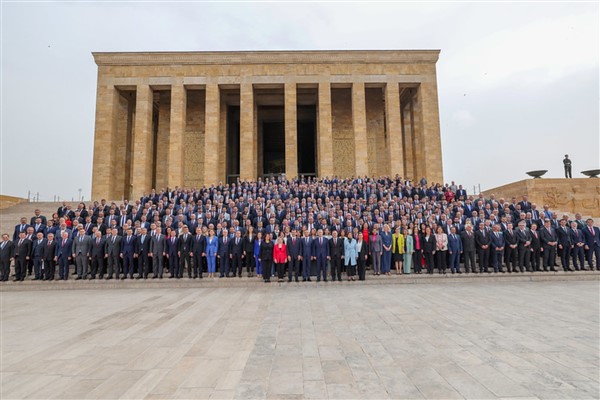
<point x="199" y="118"/>
<point x="565" y="195"/>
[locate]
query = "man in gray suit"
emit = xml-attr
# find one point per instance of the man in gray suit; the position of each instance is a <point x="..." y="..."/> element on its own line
<point x="158" y="248"/>
<point x="113" y="250"/>
<point x="82" y="247"/>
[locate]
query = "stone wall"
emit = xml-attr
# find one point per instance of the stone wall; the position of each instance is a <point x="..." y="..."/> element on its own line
<point x="566" y="195"/>
<point x="193" y="167"/>
<point x="342" y="132"/>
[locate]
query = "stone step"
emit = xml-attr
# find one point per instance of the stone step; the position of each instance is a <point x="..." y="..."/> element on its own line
<point x="166" y="283"/>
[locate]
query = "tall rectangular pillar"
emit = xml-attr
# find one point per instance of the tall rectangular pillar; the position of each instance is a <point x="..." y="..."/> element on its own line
<point x="395" y="142"/>
<point x="176" y="135"/>
<point x="143" y="154"/>
<point x="107" y="97"/>
<point x="359" y="122"/>
<point x="213" y="131"/>
<point x="248" y="136"/>
<point x="407" y="133"/>
<point x="429" y="120"/>
<point x="291" y="130"/>
<point x="325" y="139"/>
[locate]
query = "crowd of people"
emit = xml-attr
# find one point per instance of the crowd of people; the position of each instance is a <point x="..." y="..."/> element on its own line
<point x="305" y="228"/>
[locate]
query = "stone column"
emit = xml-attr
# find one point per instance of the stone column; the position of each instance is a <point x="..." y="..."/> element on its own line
<point x="143" y="155"/>
<point x="107" y="98"/>
<point x="395" y="142"/>
<point x="325" y="139"/>
<point x="212" y="129"/>
<point x="409" y="161"/>
<point x="176" y="135"/>
<point x="248" y="137"/>
<point x="291" y="130"/>
<point x="429" y="120"/>
<point x="359" y="122"/>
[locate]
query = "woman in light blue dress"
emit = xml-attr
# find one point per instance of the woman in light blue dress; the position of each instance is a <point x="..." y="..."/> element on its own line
<point x="408" y="251"/>
<point x="350" y="255"/>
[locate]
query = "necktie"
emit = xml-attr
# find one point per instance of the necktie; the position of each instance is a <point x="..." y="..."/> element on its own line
<point x="97" y="242"/>
<point x="64" y="242"/>
<point x="80" y="239"/>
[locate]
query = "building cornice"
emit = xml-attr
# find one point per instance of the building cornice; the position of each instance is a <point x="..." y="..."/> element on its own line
<point x="267" y="57"/>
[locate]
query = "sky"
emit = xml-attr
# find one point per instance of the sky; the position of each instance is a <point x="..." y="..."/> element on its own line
<point x="518" y="83"/>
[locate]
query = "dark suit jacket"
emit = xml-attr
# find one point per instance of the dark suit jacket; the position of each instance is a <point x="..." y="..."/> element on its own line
<point x="536" y="243"/>
<point x="497" y="241"/>
<point x="481" y="239"/>
<point x="236" y="249"/>
<point x="38" y="248"/>
<point x="50" y="250"/>
<point x="576" y="236"/>
<point x="8" y="251"/>
<point x="128" y="247"/>
<point x="468" y="242"/>
<point x="523" y="237"/>
<point x="321" y="248"/>
<point x="306" y="247"/>
<point x="547" y="237"/>
<point x="294" y="250"/>
<point x="19" y="229"/>
<point x="98" y="248"/>
<point x="64" y="251"/>
<point x="455" y="244"/>
<point x="428" y="245"/>
<point x="590" y="239"/>
<point x="172" y="245"/>
<point x="199" y="244"/>
<point x="143" y="248"/>
<point x="564" y="237"/>
<point x="336" y="250"/>
<point x="24" y="250"/>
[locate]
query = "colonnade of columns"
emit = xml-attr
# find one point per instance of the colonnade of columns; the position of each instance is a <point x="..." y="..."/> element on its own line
<point x="411" y="135"/>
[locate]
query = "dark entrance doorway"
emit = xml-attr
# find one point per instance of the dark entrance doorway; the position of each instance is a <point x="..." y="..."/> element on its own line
<point x="233" y="144"/>
<point x="273" y="147"/>
<point x="307" y="143"/>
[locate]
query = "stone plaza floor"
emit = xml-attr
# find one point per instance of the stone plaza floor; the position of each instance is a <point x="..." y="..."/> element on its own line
<point x="346" y="341"/>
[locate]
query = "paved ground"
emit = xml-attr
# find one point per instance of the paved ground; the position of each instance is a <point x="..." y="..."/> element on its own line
<point x="481" y="340"/>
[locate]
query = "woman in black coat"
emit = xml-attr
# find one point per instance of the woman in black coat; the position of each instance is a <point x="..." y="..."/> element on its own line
<point x="428" y="242"/>
<point x="362" y="249"/>
<point x="266" y="257"/>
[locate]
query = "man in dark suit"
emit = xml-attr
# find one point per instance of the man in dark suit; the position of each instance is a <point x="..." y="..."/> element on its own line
<point x="293" y="246"/>
<point x="321" y="255"/>
<point x="469" y="247"/>
<point x="199" y="252"/>
<point x="498" y="244"/>
<point x="97" y="254"/>
<point x="591" y="235"/>
<point x="128" y="253"/>
<point x="21" y="227"/>
<point x="236" y="252"/>
<point x="37" y="254"/>
<point x="158" y="250"/>
<point x="113" y="254"/>
<point x="63" y="256"/>
<point x="536" y="249"/>
<point x="455" y="249"/>
<point x="223" y="256"/>
<point x="50" y="258"/>
<point x="483" y="242"/>
<point x="38" y="226"/>
<point x="38" y="214"/>
<point x="564" y="244"/>
<point x="184" y="252"/>
<point x="510" y="248"/>
<point x="173" y="254"/>
<point x="22" y="256"/>
<point x="7" y="255"/>
<point x="306" y="255"/>
<point x="143" y="250"/>
<point x="549" y="240"/>
<point x="578" y="246"/>
<point x="336" y="255"/>
<point x="82" y="247"/>
<point x="523" y="246"/>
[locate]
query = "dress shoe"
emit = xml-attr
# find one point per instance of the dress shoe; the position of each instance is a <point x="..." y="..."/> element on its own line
<point x="78" y="278"/>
